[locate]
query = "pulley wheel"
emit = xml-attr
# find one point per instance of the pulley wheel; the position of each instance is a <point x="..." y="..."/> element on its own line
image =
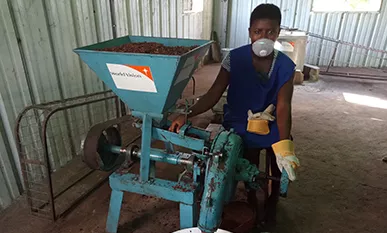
<point x="93" y="151"/>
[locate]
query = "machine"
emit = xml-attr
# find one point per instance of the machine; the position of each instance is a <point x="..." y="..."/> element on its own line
<point x="150" y="85"/>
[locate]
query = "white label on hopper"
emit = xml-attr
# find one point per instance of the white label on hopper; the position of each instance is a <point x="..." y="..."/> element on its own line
<point x="186" y="70"/>
<point x="134" y="78"/>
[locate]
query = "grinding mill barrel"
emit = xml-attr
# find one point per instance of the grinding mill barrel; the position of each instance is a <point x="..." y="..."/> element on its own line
<point x="145" y="81"/>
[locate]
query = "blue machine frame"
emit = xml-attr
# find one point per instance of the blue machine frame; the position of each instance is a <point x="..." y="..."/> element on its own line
<point x="151" y="93"/>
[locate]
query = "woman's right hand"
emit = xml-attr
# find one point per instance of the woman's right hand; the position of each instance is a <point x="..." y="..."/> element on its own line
<point x="177" y="124"/>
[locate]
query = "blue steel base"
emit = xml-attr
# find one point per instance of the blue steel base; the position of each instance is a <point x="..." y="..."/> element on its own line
<point x="184" y="193"/>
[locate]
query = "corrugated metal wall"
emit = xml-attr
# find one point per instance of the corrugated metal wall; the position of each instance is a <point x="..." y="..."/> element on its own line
<point x="37" y="63"/>
<point x="366" y="29"/>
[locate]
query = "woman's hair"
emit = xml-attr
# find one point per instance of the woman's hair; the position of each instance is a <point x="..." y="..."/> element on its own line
<point x="266" y="11"/>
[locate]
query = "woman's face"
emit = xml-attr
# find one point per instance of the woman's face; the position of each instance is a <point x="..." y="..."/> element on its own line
<point x="264" y="28"/>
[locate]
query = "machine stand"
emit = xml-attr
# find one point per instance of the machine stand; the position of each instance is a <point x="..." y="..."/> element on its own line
<point x="184" y="193"/>
<point x="151" y="92"/>
<point x="188" y="215"/>
<point x="114" y="211"/>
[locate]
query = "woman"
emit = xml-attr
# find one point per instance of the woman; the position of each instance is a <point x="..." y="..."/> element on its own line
<point x="260" y="90"/>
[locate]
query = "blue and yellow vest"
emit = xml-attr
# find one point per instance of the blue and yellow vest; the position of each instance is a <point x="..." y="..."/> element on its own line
<point x="249" y="90"/>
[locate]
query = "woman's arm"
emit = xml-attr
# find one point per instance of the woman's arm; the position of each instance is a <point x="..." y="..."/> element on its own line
<point x="207" y="101"/>
<point x="213" y="95"/>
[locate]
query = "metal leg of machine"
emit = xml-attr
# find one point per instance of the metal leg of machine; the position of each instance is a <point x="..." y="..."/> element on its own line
<point x="114" y="211"/>
<point x="188" y="215"/>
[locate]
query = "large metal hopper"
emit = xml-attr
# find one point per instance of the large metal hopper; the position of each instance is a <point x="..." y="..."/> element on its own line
<point x="148" y="83"/>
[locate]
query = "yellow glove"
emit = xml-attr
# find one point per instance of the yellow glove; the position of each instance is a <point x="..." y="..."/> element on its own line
<point x="286" y="158"/>
<point x="259" y="122"/>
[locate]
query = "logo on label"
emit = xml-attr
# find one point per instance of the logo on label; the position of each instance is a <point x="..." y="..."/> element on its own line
<point x="134" y="78"/>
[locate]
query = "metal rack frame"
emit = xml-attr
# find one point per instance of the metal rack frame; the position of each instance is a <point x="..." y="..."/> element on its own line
<point x="42" y="114"/>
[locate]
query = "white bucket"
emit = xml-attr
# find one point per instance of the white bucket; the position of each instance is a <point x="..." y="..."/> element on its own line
<point x="197" y="230"/>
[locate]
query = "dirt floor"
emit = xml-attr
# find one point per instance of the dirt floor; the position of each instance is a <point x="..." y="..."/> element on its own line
<point x="341" y="185"/>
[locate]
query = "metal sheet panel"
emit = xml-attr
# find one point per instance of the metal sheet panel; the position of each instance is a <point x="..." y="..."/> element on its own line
<point x="220" y="23"/>
<point x="207" y="19"/>
<point x="379" y="39"/>
<point x="348" y="33"/>
<point x="163" y="18"/>
<point x="11" y="65"/>
<point x="303" y="13"/>
<point x="9" y="180"/>
<point x="239" y="15"/>
<point x="365" y="29"/>
<point x="37" y="63"/>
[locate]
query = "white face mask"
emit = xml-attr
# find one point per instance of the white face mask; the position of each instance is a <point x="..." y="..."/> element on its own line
<point x="263" y="47"/>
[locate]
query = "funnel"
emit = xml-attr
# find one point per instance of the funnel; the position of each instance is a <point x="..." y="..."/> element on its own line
<point x="149" y="83"/>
